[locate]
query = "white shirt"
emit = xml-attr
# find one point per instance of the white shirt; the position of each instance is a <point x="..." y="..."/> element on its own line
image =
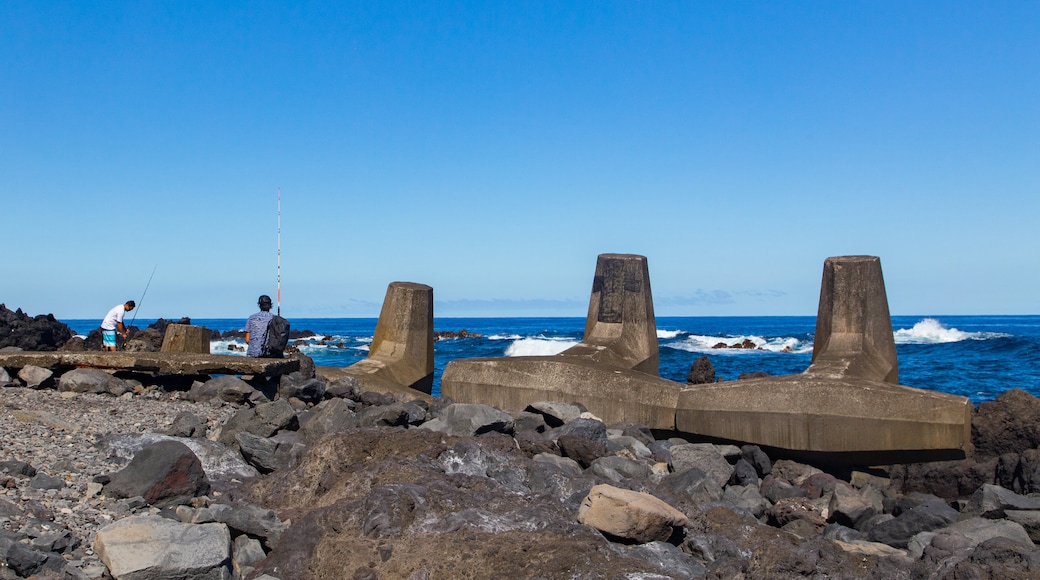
<point x="113" y="317"/>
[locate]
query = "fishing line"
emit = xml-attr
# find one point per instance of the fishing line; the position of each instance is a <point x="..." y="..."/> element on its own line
<point x="141" y="301"/>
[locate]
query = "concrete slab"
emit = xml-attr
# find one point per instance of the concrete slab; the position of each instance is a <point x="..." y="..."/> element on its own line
<point x="171" y="363"/>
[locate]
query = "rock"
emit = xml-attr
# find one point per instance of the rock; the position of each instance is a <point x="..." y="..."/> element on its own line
<point x="39" y="333"/>
<point x="269" y="454"/>
<point x="564" y="464"/>
<point x="393" y="415"/>
<point x="555" y="414"/>
<point x="619" y="468"/>
<point x="220" y="463"/>
<point x="36" y="377"/>
<point x="746" y="497"/>
<point x="926" y="517"/>
<point x="5" y="378"/>
<point x="701" y="372"/>
<point x="249" y="519"/>
<point x="1008" y="424"/>
<point x="186" y="424"/>
<point x="790" y="509"/>
<point x="584" y="451"/>
<point x="1029" y="520"/>
<point x="946" y="479"/>
<point x="695" y="484"/>
<point x="703" y="456"/>
<point x="991" y="501"/>
<point x="629" y="514"/>
<point x="146" y="547"/>
<point x="343" y="388"/>
<point x="246" y="552"/>
<point x="226" y="388"/>
<point x="24" y="561"/>
<point x="331" y="416"/>
<point x="979" y="530"/>
<point x="308" y="390"/>
<point x="263" y="420"/>
<point x="467" y="419"/>
<point x="758" y="458"/>
<point x="92" y="381"/>
<point x="847" y="506"/>
<point x="166" y="473"/>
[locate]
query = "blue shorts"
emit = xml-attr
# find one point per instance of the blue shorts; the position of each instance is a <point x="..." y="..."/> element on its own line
<point x="108" y="338"/>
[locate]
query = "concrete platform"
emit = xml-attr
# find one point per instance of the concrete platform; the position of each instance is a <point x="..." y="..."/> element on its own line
<point x="166" y="363"/>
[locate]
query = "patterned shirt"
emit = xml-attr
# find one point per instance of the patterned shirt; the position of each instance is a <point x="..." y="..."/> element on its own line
<point x="256" y="326"/>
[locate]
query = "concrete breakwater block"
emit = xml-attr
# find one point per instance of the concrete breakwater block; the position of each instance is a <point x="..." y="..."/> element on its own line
<point x="612" y="371"/>
<point x="400" y="358"/>
<point x="847" y="404"/>
<point x="186" y="338"/>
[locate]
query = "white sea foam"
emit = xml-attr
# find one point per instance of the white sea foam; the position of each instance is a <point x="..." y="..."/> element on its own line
<point x="539" y="346"/>
<point x="504" y="337"/>
<point x="931" y="331"/>
<point x="702" y="343"/>
<point x="668" y="334"/>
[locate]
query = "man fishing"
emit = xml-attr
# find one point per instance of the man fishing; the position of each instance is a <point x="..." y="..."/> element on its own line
<point x="113" y="322"/>
<point x="256" y="327"/>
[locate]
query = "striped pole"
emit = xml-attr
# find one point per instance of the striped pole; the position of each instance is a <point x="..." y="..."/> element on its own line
<point x="279" y="251"/>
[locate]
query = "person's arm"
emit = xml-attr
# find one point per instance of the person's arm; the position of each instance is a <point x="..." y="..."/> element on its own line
<point x="247" y="337"/>
<point x="122" y="328"/>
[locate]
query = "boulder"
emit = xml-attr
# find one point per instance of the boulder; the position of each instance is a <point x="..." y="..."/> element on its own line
<point x="926" y="517"/>
<point x="225" y="388"/>
<point x="633" y="515"/>
<point x="147" y="547"/>
<point x="1008" y="424"/>
<point x="703" y="456"/>
<point x="36" y="377"/>
<point x="92" y="381"/>
<point x="555" y="414"/>
<point x="466" y="419"/>
<point x="269" y="454"/>
<point x="264" y="420"/>
<point x="166" y="473"/>
<point x="308" y="390"/>
<point x="584" y="451"/>
<point x="991" y="501"/>
<point x="701" y="372"/>
<point x="979" y="530"/>
<point x="330" y="416"/>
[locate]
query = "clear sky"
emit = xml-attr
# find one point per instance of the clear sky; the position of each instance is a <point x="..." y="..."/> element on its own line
<point x="493" y="149"/>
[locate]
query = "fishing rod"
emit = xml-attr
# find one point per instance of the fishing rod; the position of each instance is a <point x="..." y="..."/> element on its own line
<point x="141" y="301"/>
<point x="279" y="294"/>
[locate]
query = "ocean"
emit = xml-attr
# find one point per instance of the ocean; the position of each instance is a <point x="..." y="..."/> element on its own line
<point x="978" y="357"/>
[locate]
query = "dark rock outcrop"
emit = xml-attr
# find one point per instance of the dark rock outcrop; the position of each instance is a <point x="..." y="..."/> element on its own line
<point x="701" y="372"/>
<point x="39" y="333"/>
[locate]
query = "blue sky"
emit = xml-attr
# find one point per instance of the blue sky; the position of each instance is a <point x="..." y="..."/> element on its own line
<point x="493" y="150"/>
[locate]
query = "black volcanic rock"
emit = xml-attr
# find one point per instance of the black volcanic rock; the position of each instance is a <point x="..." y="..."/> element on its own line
<point x="40" y="333"/>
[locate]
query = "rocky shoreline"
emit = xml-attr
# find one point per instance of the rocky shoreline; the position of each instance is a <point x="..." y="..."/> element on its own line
<point x="131" y="475"/>
<point x="320" y="480"/>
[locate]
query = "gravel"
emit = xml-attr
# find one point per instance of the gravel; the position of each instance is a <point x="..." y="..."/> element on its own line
<point x="56" y="434"/>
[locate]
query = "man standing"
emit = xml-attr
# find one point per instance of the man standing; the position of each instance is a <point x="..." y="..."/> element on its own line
<point x="114" y="322"/>
<point x="256" y="327"/>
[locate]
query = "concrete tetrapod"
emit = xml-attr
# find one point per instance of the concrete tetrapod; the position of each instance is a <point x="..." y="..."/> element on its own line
<point x="400" y="359"/>
<point x="848" y="402"/>
<point x="609" y="371"/>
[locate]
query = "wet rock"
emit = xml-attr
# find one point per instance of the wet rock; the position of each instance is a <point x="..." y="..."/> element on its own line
<point x="701" y="372"/>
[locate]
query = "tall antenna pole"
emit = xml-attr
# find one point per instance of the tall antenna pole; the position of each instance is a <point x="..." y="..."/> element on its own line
<point x="279" y="251"/>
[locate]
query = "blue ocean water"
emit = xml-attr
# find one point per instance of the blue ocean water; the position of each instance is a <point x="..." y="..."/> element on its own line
<point x="978" y="357"/>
